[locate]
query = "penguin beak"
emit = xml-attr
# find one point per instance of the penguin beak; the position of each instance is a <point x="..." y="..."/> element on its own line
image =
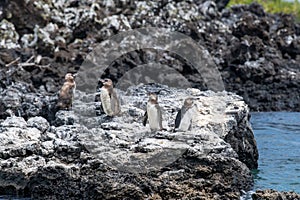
<point x="101" y="82"/>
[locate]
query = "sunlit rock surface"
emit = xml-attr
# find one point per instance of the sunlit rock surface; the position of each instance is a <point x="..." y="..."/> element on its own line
<point x="95" y="157"/>
<point x="257" y="54"/>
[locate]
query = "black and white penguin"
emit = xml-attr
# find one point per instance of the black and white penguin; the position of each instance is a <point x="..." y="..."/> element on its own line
<point x="153" y="114"/>
<point x="183" y="121"/>
<point x="109" y="100"/>
<point x="66" y="93"/>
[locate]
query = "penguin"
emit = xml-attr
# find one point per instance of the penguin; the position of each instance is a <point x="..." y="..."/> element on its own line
<point x="109" y="100"/>
<point x="153" y="114"/>
<point x="66" y="93"/>
<point x="183" y="121"/>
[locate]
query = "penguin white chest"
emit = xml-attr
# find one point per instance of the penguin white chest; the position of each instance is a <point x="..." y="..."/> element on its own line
<point x="186" y="120"/>
<point x="154" y="116"/>
<point x="106" y="102"/>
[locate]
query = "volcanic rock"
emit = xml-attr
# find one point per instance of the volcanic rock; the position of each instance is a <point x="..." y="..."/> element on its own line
<point x="93" y="160"/>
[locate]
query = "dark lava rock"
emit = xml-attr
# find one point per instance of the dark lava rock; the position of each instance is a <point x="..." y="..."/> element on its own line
<point x="256" y="52"/>
<point x="244" y="145"/>
<point x="25" y="15"/>
<point x="272" y="194"/>
<point x="119" y="157"/>
<point x="22" y="100"/>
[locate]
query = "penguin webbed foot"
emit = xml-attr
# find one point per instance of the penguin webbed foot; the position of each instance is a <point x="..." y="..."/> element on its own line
<point x="108" y="117"/>
<point x="158" y="130"/>
<point x="63" y="108"/>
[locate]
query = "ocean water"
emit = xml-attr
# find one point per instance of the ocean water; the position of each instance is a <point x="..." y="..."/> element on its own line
<point x="278" y="139"/>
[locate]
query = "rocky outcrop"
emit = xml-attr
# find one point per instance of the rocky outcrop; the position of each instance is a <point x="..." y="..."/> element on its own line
<point x="272" y="194"/>
<point x="242" y="140"/>
<point x="256" y="52"/>
<point x="23" y="100"/>
<point x="113" y="158"/>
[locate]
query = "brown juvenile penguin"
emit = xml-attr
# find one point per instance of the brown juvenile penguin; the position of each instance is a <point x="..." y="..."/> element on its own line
<point x="66" y="93"/>
<point x="109" y="99"/>
<point x="153" y="113"/>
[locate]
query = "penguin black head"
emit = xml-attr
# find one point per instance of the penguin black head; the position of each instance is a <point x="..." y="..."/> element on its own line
<point x="106" y="82"/>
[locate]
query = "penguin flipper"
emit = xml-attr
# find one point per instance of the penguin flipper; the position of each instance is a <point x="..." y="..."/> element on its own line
<point x="145" y="118"/>
<point x="101" y="109"/>
<point x="99" y="106"/>
<point x="190" y="127"/>
<point x="115" y="103"/>
<point x="178" y="119"/>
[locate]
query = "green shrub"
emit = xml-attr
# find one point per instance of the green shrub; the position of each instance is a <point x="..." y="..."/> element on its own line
<point x="274" y="6"/>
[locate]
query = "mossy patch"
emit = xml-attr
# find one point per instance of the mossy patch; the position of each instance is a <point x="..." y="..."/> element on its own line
<point x="274" y="6"/>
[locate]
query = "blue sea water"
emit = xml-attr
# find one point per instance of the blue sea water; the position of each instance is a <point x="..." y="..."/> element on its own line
<point x="278" y="139"/>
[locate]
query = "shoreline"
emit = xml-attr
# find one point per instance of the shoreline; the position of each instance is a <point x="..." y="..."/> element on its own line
<point x="42" y="41"/>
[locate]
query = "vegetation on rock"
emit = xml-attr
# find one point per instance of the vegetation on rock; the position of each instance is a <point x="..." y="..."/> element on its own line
<point x="274" y="6"/>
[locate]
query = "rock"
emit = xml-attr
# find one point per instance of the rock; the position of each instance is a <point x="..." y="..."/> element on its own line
<point x="272" y="194"/>
<point x="118" y="154"/>
<point x="221" y="4"/>
<point x="24" y="15"/>
<point x="64" y="118"/>
<point x="38" y="122"/>
<point x="241" y="137"/>
<point x="209" y="9"/>
<point x="14" y="122"/>
<point x="21" y="100"/>
<point x="257" y="54"/>
<point x="19" y="141"/>
<point x="242" y="40"/>
<point x="9" y="36"/>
